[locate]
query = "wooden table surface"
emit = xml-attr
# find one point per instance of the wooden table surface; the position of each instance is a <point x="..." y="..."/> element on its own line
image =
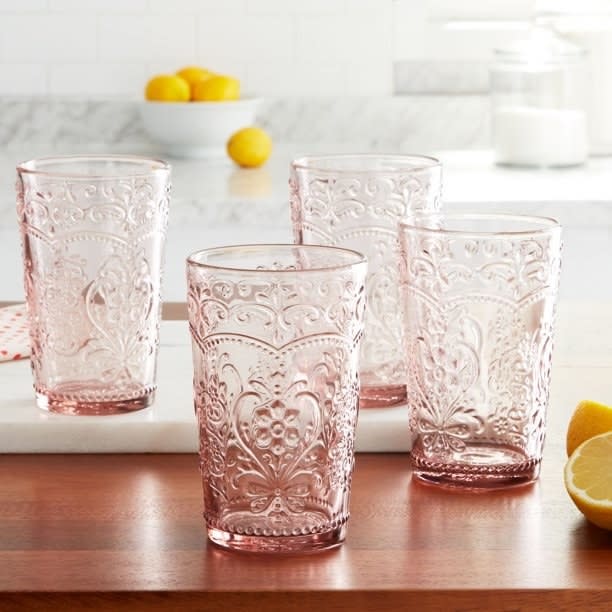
<point x="125" y="531"/>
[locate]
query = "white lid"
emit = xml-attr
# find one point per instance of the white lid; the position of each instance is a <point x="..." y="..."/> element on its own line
<point x="541" y="45"/>
<point x="573" y="7"/>
<point x="572" y="16"/>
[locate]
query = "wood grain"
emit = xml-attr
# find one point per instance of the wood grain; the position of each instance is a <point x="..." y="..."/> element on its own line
<point x="125" y="531"/>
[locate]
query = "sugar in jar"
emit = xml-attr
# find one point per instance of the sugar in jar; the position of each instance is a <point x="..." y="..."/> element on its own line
<point x="537" y="90"/>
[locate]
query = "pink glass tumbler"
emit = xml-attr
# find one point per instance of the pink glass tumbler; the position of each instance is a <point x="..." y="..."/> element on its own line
<point x="92" y="232"/>
<point x="356" y="202"/>
<point x="479" y="296"/>
<point x="275" y="334"/>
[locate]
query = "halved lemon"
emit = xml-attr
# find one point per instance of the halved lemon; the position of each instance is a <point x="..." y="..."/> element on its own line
<point x="588" y="479"/>
<point x="589" y="419"/>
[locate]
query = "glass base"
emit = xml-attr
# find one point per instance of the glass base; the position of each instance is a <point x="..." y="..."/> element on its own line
<point x="481" y="467"/>
<point x="278" y="544"/>
<point x="382" y="396"/>
<point x="60" y="402"/>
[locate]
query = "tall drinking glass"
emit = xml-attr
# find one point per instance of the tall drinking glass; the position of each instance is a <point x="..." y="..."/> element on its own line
<point x="275" y="335"/>
<point x="479" y="295"/>
<point x="356" y="201"/>
<point x="92" y="232"/>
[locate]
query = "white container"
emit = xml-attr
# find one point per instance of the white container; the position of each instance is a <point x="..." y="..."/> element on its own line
<point x="196" y="129"/>
<point x="588" y="23"/>
<point x="537" y="86"/>
<point x="528" y="136"/>
<point x="595" y="35"/>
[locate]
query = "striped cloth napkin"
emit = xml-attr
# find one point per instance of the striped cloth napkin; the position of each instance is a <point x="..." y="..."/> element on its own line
<point x="14" y="334"/>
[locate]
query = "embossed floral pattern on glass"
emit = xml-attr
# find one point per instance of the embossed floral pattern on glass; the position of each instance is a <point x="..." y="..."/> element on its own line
<point x="356" y="201"/>
<point x="479" y="294"/>
<point x="92" y="231"/>
<point x="275" y="333"/>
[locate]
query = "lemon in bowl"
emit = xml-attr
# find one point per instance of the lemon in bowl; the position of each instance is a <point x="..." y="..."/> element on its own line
<point x="167" y="88"/>
<point x="217" y="88"/>
<point x="192" y="114"/>
<point x="193" y="75"/>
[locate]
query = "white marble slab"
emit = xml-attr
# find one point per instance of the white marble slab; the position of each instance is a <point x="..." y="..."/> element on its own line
<point x="168" y="426"/>
<point x="582" y="368"/>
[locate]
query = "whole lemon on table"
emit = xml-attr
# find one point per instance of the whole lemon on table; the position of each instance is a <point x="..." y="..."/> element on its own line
<point x="193" y="75"/>
<point x="588" y="479"/>
<point x="167" y="88"/>
<point x="249" y="147"/>
<point x="589" y="419"/>
<point x="217" y="88"/>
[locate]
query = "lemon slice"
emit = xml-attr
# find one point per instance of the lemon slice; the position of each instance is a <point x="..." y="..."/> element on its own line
<point x="589" y="419"/>
<point x="588" y="479"/>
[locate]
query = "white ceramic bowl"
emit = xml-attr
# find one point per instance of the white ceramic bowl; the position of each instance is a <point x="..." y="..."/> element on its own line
<point x="196" y="129"/>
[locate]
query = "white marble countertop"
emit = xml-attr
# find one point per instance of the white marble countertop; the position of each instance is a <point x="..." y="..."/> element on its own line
<point x="215" y="202"/>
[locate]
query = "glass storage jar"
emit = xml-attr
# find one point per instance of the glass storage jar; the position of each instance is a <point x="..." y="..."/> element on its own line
<point x="537" y="86"/>
<point x="588" y="23"/>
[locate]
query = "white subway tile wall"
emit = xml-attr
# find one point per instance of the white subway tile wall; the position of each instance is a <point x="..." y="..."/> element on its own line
<point x="25" y="6"/>
<point x="23" y="79"/>
<point x="109" y="48"/>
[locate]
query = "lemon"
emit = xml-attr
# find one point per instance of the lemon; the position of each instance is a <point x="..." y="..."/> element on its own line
<point x="589" y="419"/>
<point x="193" y="75"/>
<point x="216" y="89"/>
<point x="588" y="479"/>
<point x="167" y="88"/>
<point x="249" y="147"/>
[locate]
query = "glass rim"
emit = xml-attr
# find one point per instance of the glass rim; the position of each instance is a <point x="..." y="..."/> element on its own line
<point x="546" y="224"/>
<point x="359" y="258"/>
<point x="36" y="166"/>
<point x="312" y="162"/>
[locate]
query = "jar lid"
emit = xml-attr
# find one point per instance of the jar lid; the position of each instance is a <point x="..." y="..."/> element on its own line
<point x="575" y="16"/>
<point x="573" y="7"/>
<point x="541" y="45"/>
